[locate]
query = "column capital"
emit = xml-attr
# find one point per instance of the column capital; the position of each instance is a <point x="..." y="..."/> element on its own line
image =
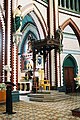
<point x="17" y="37"/>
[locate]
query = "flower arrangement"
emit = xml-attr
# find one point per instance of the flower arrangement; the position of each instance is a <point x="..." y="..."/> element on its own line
<point x="77" y="79"/>
<point x="2" y="86"/>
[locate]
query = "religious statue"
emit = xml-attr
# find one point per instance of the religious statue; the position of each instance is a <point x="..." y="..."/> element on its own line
<point x="29" y="66"/>
<point x="30" y="43"/>
<point x="59" y="34"/>
<point x="59" y="37"/>
<point x="17" y="19"/>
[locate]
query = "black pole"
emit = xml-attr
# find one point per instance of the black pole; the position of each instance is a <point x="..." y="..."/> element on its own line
<point x="9" y="98"/>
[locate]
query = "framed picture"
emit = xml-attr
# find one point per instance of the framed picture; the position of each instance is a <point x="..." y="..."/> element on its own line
<point x="39" y="61"/>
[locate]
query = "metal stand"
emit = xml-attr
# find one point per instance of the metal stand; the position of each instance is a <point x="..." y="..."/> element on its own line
<point x="9" y="98"/>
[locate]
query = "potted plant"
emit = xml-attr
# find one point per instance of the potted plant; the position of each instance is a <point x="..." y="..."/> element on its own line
<point x="2" y="92"/>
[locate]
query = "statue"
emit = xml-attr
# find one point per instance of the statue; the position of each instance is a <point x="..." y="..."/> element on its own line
<point x="29" y="43"/>
<point x="17" y="18"/>
<point x="59" y="34"/>
<point x="59" y="37"/>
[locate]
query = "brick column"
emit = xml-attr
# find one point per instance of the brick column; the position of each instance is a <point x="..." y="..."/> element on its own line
<point x="16" y="40"/>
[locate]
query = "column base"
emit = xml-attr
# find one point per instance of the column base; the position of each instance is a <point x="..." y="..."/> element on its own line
<point x="15" y="96"/>
<point x="9" y="113"/>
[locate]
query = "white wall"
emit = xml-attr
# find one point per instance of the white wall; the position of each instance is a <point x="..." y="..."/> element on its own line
<point x="65" y="15"/>
<point x="70" y="46"/>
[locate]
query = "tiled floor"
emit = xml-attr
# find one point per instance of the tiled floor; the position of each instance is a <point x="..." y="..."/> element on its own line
<point x="26" y="110"/>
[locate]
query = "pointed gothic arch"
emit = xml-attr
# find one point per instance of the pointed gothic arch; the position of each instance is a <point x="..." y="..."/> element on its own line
<point x="32" y="7"/>
<point x="75" y="28"/>
<point x="69" y="56"/>
<point x="70" y="70"/>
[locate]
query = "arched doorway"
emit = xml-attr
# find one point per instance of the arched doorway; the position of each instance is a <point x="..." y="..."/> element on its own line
<point x="69" y="72"/>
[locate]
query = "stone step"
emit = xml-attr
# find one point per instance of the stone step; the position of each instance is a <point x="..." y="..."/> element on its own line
<point x="49" y="99"/>
<point x="46" y="95"/>
<point x="36" y="95"/>
<point x="53" y="96"/>
<point x="53" y="93"/>
<point x="56" y="96"/>
<point x="57" y="92"/>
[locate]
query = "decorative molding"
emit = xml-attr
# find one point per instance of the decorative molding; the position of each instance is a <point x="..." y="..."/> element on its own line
<point x="3" y="39"/>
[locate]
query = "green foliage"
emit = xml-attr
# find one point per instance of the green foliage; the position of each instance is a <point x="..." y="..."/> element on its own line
<point x="2" y="86"/>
